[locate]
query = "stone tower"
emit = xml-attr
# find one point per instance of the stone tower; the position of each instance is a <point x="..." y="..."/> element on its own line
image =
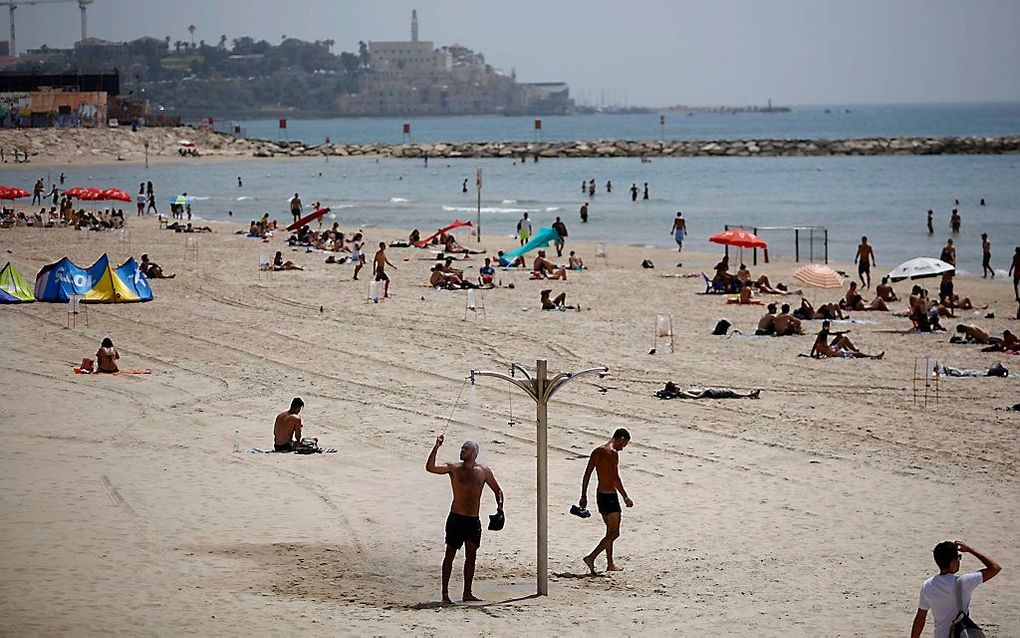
<point x="414" y="25"/>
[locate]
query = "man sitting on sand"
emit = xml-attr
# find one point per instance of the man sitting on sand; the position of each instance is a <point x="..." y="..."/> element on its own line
<point x="559" y="303"/>
<point x="786" y="324"/>
<point x="463" y="526"/>
<point x="841" y="346"/>
<point x="767" y="324"/>
<point x="287" y="428"/>
<point x="152" y="270"/>
<point x="885" y="291"/>
<point x="545" y="269"/>
<point x="280" y="264"/>
<point x="575" y="262"/>
<point x="605" y="461"/>
<point x="445" y="280"/>
<point x="853" y="301"/>
<point x="487" y="274"/>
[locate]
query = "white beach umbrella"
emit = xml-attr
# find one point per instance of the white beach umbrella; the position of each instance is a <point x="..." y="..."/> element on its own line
<point x="920" y="268"/>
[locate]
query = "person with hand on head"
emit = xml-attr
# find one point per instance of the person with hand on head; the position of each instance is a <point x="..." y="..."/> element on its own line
<point x="463" y="527"/>
<point x="106" y="357"/>
<point x="946" y="595"/>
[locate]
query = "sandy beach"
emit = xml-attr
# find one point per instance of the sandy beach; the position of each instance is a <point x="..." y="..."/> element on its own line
<point x="811" y="511"/>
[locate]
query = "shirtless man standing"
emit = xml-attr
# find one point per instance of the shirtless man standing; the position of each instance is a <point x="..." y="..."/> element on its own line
<point x="462" y="525"/>
<point x="864" y="259"/>
<point x="287" y="429"/>
<point x="605" y="460"/>
<point x="379" y="263"/>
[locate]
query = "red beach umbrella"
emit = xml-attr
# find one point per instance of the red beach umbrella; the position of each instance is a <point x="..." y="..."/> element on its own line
<point x="75" y="191"/>
<point x="91" y="194"/>
<point x="738" y="237"/>
<point x="10" y="192"/>
<point x="116" y="194"/>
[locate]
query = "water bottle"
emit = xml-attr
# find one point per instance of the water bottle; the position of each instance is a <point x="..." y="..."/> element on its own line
<point x="237" y="440"/>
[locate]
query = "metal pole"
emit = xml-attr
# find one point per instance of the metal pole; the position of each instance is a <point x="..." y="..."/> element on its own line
<point x="754" y="254"/>
<point x="478" y="183"/>
<point x="796" y="244"/>
<point x="146" y="153"/>
<point x="542" y="457"/>
<point x="14" y="48"/>
<point x="826" y="245"/>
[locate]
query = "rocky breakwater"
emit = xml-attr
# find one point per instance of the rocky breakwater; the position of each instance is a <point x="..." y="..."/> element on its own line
<point x="674" y="148"/>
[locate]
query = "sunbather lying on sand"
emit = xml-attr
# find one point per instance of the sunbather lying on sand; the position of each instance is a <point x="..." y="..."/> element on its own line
<point x="853" y="301"/>
<point x="975" y="334"/>
<point x="1008" y="343"/>
<point x="828" y="311"/>
<point x="453" y="247"/>
<point x="518" y="261"/>
<point x="671" y="391"/>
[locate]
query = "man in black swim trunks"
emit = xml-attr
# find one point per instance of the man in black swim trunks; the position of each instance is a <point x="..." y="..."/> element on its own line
<point x="462" y="525"/>
<point x="605" y="460"/>
<point x="287" y="429"/>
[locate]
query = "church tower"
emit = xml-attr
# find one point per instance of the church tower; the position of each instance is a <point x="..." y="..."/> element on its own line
<point x="414" y="25"/>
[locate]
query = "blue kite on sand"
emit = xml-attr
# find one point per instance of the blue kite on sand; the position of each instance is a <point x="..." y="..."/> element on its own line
<point x="540" y="240"/>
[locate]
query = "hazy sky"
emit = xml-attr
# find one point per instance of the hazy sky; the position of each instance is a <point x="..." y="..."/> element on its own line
<point x="642" y="52"/>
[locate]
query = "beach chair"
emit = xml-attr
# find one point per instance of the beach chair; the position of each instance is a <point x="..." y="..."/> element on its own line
<point x="713" y="287"/>
<point x="74" y="307"/>
<point x="265" y="266"/>
<point x="663" y="330"/>
<point x="473" y="303"/>
<point x="601" y="253"/>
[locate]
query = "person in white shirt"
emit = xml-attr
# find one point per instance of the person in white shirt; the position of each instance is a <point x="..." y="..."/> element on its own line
<point x="524" y="229"/>
<point x="938" y="593"/>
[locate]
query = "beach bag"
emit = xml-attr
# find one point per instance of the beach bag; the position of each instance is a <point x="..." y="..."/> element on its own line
<point x="998" y="370"/>
<point x="721" y="328"/>
<point x="647" y="263"/>
<point x="962" y="626"/>
<point x="87" y="365"/>
<point x="308" y="446"/>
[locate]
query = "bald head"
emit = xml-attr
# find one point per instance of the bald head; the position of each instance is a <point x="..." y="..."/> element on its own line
<point x="469" y="451"/>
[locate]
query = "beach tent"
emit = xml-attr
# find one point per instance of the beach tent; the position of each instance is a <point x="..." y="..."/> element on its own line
<point x="14" y="288"/>
<point x="58" y="281"/>
<point x="445" y="229"/>
<point x="540" y="240"/>
<point x="109" y="287"/>
<point x="134" y="279"/>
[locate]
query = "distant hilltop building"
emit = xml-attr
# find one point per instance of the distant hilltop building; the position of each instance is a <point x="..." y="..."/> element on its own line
<point x="415" y="78"/>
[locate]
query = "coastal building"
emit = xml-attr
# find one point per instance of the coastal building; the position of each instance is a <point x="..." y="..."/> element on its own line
<point x="413" y="77"/>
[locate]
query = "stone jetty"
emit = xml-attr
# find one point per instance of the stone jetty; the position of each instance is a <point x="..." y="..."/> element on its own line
<point x="59" y="146"/>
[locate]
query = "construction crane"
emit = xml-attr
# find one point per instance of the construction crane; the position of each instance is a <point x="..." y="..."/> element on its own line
<point x="14" y="4"/>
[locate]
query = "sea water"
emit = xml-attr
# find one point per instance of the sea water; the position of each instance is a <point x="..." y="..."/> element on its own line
<point x="885" y="198"/>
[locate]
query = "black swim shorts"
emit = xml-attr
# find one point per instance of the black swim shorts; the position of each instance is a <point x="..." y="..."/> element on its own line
<point x="382" y="277"/>
<point x="609" y="502"/>
<point x="864" y="266"/>
<point x="284" y="447"/>
<point x="460" y="528"/>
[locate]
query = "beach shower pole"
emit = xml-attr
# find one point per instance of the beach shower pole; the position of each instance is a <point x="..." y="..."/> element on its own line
<point x="478" y="184"/>
<point x="541" y="389"/>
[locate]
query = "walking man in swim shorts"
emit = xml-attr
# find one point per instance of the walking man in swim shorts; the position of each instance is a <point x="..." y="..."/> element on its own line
<point x="524" y="229"/>
<point x="463" y="526"/>
<point x="379" y="263"/>
<point x="605" y="461"/>
<point x="865" y="259"/>
<point x="679" y="230"/>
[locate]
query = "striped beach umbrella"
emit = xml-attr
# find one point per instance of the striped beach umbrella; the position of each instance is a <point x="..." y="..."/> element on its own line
<point x="818" y="276"/>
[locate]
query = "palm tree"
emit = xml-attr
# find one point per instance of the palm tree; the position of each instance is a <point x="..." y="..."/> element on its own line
<point x="177" y="46"/>
<point x="167" y="41"/>
<point x="223" y="41"/>
<point x="191" y="30"/>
